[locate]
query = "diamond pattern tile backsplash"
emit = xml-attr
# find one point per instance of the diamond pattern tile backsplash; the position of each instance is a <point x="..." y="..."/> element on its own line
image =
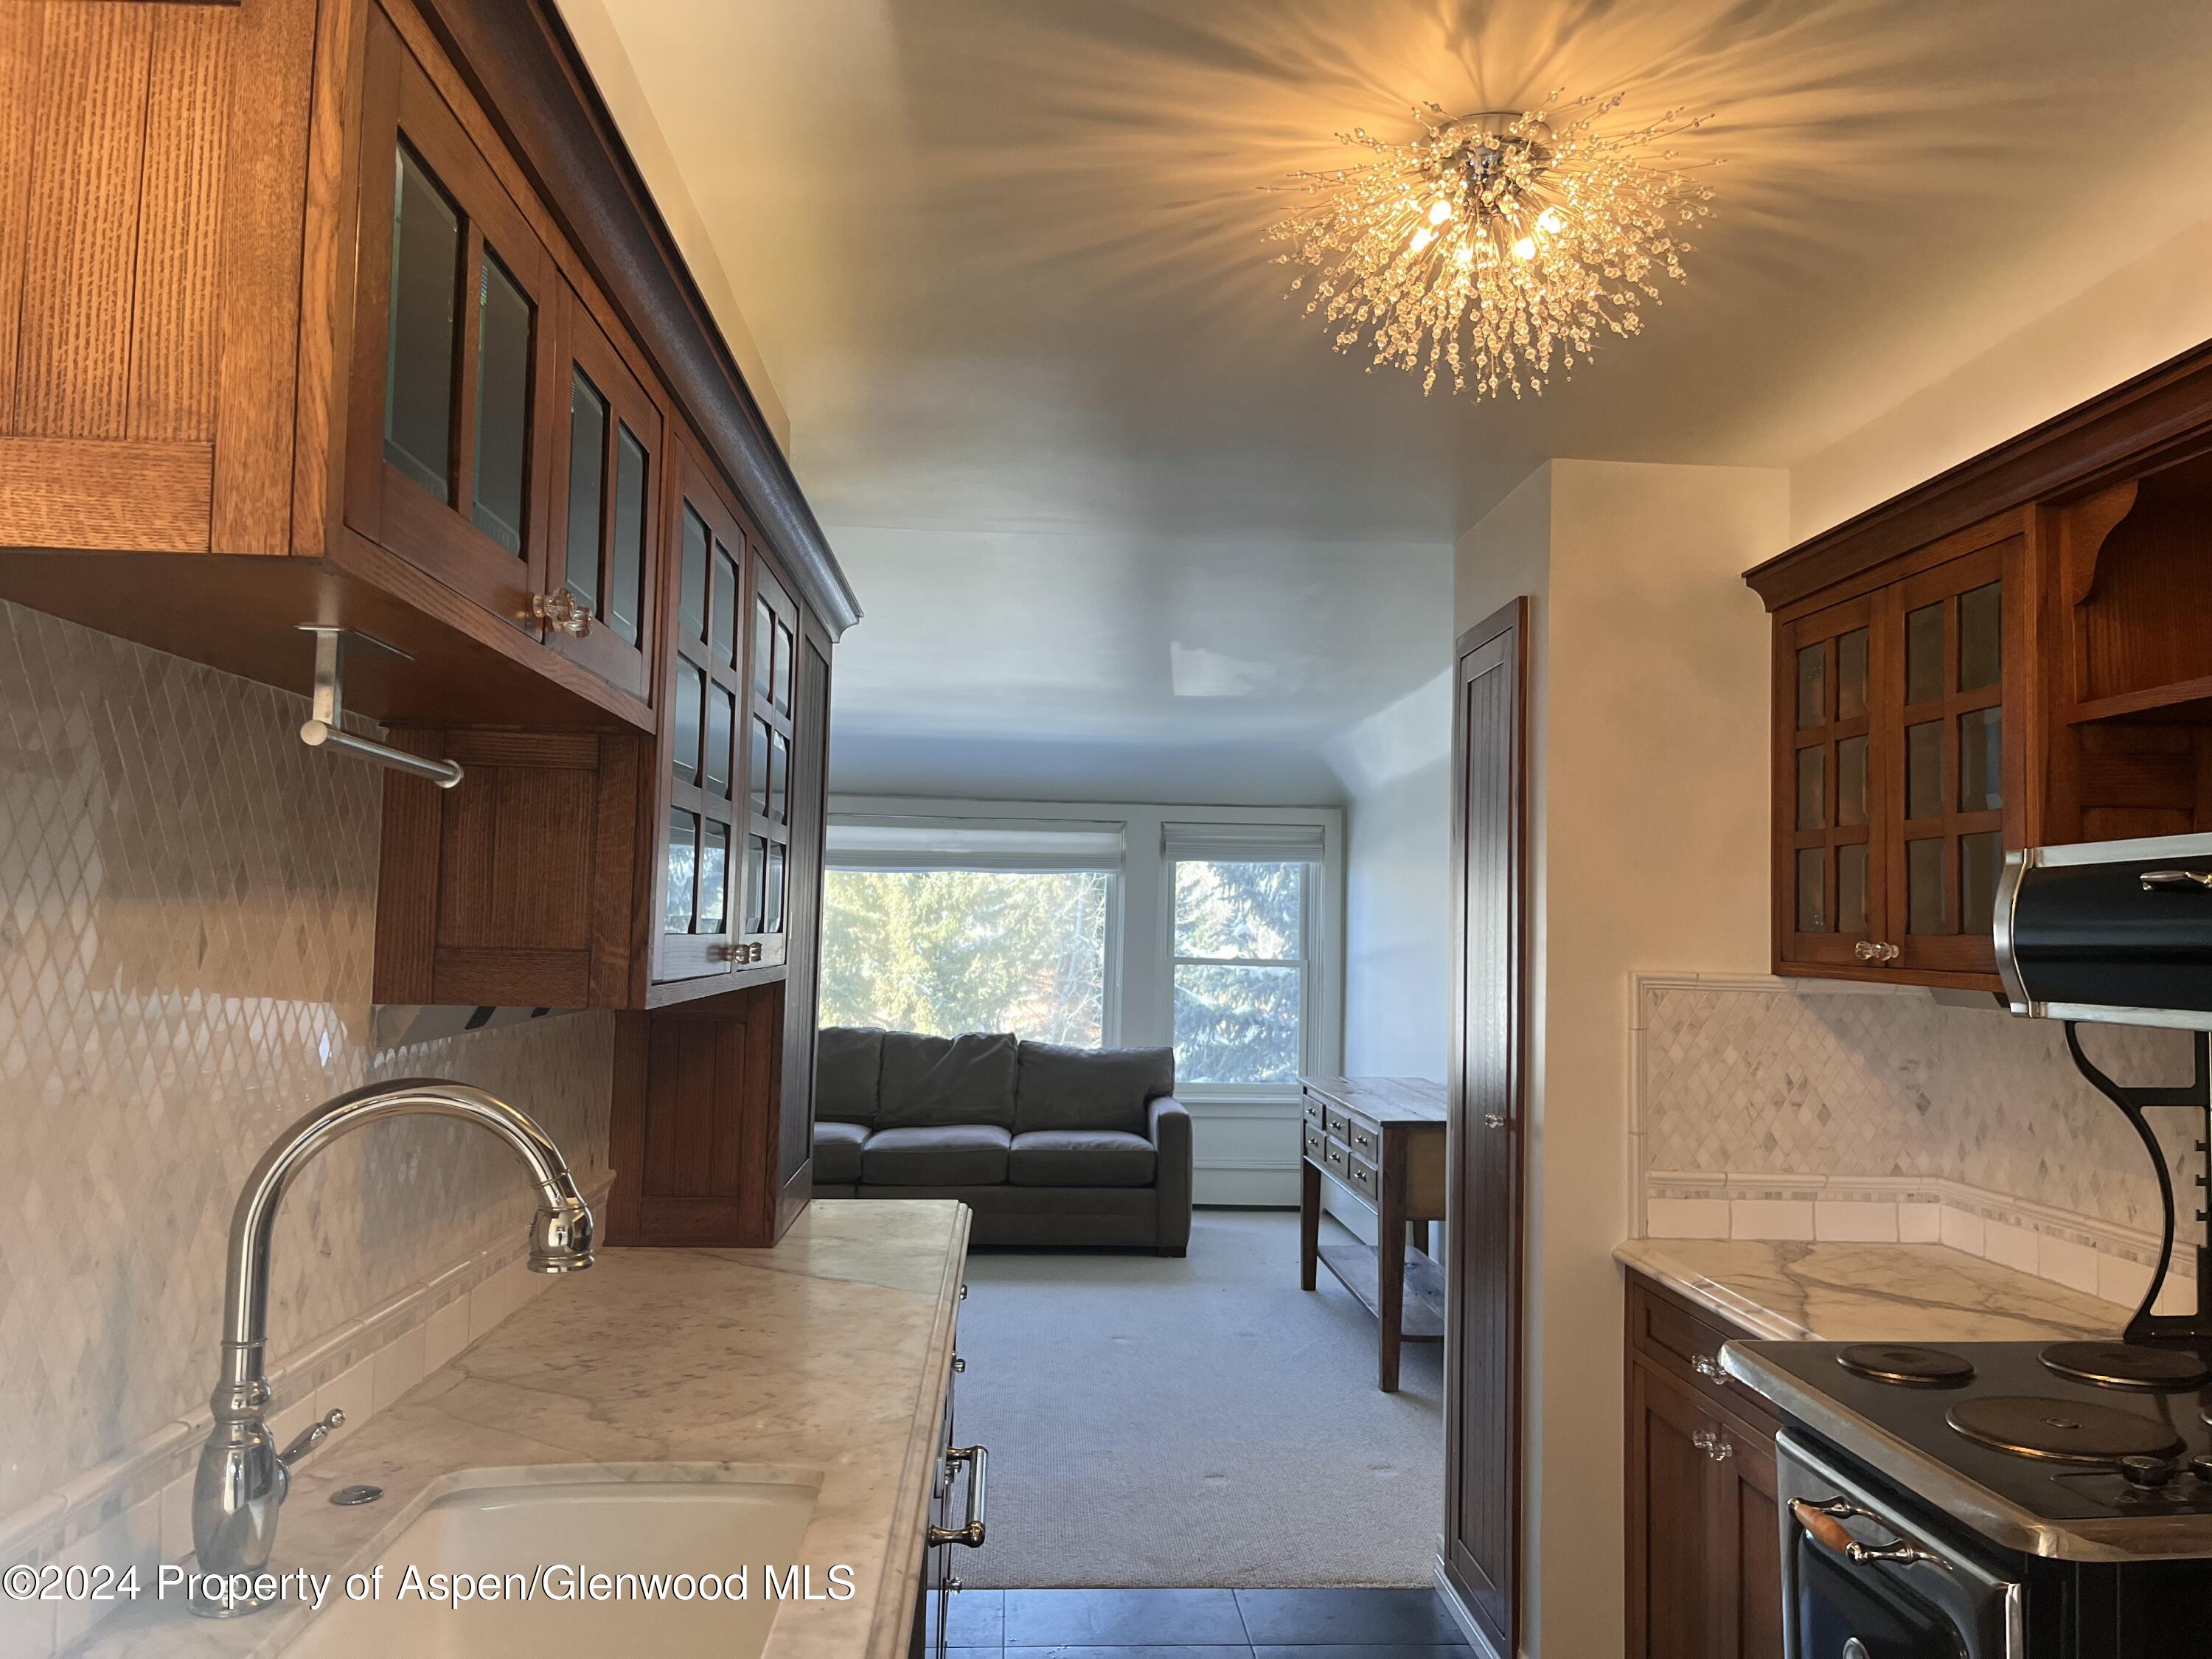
<point x="187" y="899"/>
<point x="1756" y="1082"/>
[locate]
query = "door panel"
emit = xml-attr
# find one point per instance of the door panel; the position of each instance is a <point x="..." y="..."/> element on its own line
<point x="1482" y="1386"/>
<point x="1675" y="1526"/>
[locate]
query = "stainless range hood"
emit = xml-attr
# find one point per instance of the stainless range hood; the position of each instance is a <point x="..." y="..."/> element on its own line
<point x="2119" y="932"/>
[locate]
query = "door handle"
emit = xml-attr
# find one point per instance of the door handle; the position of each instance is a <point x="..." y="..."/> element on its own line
<point x="1493" y="1119"/>
<point x="977" y="1459"/>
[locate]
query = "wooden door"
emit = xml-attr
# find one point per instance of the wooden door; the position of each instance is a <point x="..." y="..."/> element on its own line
<point x="1955" y="759"/>
<point x="448" y="457"/>
<point x="605" y="520"/>
<point x="1674" y="1610"/>
<point x="1482" y="1362"/>
<point x="810" y="818"/>
<point x="1746" y="1545"/>
<point x="1829" y="861"/>
<point x="701" y="835"/>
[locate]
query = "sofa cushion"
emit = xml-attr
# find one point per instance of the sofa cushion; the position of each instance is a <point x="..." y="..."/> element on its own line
<point x="940" y="1155"/>
<point x="931" y="1081"/>
<point x="848" y="1069"/>
<point x="1063" y="1088"/>
<point x="1079" y="1158"/>
<point x="837" y="1150"/>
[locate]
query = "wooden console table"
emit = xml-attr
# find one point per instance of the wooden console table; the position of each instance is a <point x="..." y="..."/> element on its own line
<point x="1382" y="1139"/>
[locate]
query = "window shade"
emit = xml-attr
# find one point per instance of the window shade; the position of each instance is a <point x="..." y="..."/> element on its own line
<point x="1010" y="845"/>
<point x="1247" y="843"/>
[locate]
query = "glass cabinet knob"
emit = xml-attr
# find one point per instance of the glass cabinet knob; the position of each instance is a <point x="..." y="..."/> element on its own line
<point x="563" y="610"/>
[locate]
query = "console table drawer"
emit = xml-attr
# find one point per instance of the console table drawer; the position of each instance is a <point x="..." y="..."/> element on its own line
<point x="1364" y="1180"/>
<point x="1363" y="1141"/>
<point x="1337" y="1160"/>
<point x="1313" y="1110"/>
<point x="1338" y="1123"/>
<point x="1315" y="1140"/>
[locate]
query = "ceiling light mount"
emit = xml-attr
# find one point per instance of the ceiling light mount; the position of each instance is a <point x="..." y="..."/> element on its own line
<point x="1494" y="241"/>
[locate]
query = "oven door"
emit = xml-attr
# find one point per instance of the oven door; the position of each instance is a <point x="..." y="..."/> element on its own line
<point x="1859" y="1583"/>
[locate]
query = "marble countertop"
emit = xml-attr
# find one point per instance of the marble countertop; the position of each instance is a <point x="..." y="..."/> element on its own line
<point x="1838" y="1293"/>
<point x="826" y="1356"/>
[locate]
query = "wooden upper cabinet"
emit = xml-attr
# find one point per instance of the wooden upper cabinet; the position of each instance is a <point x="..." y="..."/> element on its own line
<point x="1900" y="767"/>
<point x="456" y="317"/>
<point x="607" y="531"/>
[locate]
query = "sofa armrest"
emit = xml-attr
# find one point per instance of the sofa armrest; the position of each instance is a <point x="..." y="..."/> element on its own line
<point x="1170" y="1132"/>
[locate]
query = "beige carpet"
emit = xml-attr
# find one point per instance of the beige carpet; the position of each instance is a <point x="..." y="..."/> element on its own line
<point x="1196" y="1422"/>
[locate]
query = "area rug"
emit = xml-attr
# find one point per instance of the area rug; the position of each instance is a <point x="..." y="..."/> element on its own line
<point x="1193" y="1422"/>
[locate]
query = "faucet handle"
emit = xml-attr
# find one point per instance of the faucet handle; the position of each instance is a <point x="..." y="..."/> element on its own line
<point x="310" y="1437"/>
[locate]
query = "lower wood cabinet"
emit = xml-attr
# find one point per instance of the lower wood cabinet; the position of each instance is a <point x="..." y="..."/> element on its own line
<point x="1704" y="1561"/>
<point x="712" y="1133"/>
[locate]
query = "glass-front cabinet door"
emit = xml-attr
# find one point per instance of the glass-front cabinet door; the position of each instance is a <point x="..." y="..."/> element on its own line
<point x="1955" y="761"/>
<point x="1829" y="860"/>
<point x="605" y="527"/>
<point x="1898" y="766"/>
<point x="447" y="453"/>
<point x="707" y="695"/>
<point x="771" y="736"/>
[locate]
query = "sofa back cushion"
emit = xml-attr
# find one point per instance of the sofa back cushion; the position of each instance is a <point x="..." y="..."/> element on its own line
<point x="848" y="1070"/>
<point x="929" y="1080"/>
<point x="1061" y="1088"/>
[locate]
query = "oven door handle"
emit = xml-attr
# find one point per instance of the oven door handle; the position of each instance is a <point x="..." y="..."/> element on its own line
<point x="1824" y="1523"/>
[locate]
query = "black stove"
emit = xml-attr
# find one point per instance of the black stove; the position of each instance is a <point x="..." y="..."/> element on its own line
<point x="1991" y="1500"/>
<point x="2014" y="1437"/>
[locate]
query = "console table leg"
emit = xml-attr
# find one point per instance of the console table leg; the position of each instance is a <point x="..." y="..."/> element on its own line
<point x="1308" y="1223"/>
<point x="1390" y="1261"/>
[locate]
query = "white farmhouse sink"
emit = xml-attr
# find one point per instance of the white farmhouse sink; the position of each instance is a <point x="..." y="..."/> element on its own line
<point x="559" y="1535"/>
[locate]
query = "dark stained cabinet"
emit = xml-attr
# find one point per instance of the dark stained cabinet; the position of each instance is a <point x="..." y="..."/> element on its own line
<point x="1899" y="762"/>
<point x="1704" y="1553"/>
<point x="606" y="519"/>
<point x="2013" y="654"/>
<point x="456" y="315"/>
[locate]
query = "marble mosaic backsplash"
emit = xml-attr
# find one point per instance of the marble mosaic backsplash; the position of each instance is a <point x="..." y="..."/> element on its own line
<point x="1764" y="1106"/>
<point x="186" y="909"/>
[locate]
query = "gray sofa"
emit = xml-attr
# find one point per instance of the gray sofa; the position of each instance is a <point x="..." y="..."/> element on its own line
<point x="1047" y="1145"/>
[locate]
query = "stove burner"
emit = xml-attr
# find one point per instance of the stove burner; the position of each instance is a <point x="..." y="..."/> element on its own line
<point x="2061" y="1430"/>
<point x="2127" y="1364"/>
<point x="1907" y="1365"/>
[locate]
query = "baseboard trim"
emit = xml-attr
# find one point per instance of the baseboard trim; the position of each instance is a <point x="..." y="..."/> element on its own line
<point x="1477" y="1638"/>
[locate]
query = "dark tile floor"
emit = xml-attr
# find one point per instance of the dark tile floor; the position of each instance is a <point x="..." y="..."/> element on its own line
<point x="1202" y="1624"/>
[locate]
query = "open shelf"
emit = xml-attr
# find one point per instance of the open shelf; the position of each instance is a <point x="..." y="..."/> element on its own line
<point x="1422" y="1319"/>
<point x="2188" y="702"/>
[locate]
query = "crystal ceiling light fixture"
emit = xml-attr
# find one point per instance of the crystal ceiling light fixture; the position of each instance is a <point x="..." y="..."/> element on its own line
<point x="1493" y="241"/>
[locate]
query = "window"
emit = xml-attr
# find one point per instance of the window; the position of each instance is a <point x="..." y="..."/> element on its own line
<point x="1241" y="951"/>
<point x="945" y="925"/>
<point x="950" y="951"/>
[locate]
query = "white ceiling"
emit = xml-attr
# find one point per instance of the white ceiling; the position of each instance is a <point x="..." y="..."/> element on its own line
<point x="1005" y="262"/>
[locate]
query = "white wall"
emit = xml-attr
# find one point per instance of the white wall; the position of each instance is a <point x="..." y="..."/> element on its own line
<point x="1648" y="782"/>
<point x="2152" y="308"/>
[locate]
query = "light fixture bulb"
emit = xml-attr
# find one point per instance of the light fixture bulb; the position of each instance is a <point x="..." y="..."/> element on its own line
<point x="1529" y="281"/>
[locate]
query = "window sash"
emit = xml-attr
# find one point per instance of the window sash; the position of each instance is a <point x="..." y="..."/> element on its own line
<point x="1303" y="961"/>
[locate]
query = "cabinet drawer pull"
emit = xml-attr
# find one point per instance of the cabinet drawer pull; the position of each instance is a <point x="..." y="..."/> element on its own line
<point x="1708" y="1368"/>
<point x="1875" y="950"/>
<point x="1714" y="1444"/>
<point x="977" y="1459"/>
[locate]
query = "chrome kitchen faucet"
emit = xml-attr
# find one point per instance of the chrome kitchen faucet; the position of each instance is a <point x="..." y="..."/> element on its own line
<point x="242" y="1477"/>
